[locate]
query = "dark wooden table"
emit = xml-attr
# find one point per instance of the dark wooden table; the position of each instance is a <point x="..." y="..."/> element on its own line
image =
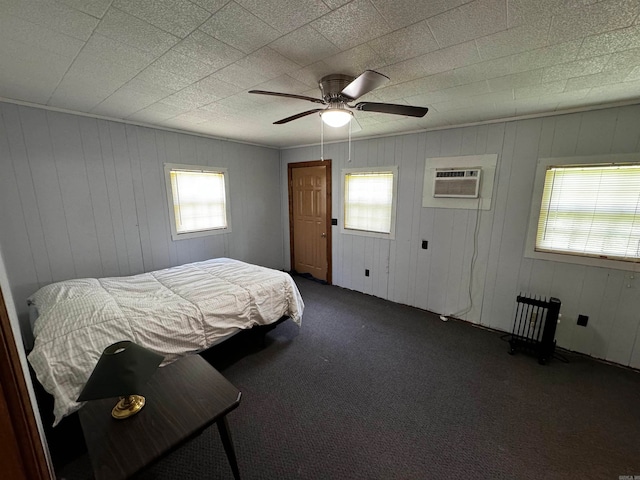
<point x="182" y="399"/>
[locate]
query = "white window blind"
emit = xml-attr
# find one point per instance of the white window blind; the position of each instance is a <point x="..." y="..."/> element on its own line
<point x="368" y="202"/>
<point x="199" y="200"/>
<point x="591" y="211"/>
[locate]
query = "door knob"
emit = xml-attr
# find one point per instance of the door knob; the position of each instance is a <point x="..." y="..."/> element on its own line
<point x="323" y="235"/>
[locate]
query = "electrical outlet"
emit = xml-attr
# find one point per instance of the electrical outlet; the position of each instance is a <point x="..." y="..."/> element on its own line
<point x="582" y="320"/>
<point x="366" y="272"/>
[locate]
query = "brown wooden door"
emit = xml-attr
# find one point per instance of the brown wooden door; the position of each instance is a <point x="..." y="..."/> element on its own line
<point x="11" y="459"/>
<point x="310" y="218"/>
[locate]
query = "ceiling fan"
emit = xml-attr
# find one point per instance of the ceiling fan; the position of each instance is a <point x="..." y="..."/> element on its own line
<point x="338" y="90"/>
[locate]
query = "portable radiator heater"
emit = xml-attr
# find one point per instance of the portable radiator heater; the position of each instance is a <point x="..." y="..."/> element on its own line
<point x="534" y="327"/>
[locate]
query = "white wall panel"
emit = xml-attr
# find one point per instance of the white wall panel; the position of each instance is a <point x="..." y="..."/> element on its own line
<point x="427" y="221"/>
<point x="96" y="178"/>
<point x="357" y="263"/>
<point x="451" y="142"/>
<point x="115" y="207"/>
<point x="140" y="212"/>
<point x="76" y="198"/>
<point x="456" y="285"/>
<point x="516" y="218"/>
<point x="626" y="137"/>
<point x="464" y="299"/>
<point x="15" y="154"/>
<point x="440" y="246"/>
<point x="48" y="194"/>
<point x="423" y="260"/>
<point x="468" y="143"/>
<point x="565" y="135"/>
<point x="152" y="186"/>
<point x="596" y="133"/>
<point x="635" y="349"/>
<point x="540" y="278"/>
<point x="603" y="329"/>
<point x="547" y="134"/>
<point x="259" y="225"/>
<point x="13" y="232"/>
<point x="82" y="197"/>
<point x="492" y="143"/>
<point x="369" y="244"/>
<point x="415" y="240"/>
<point x="591" y="298"/>
<point x="495" y="261"/>
<point x="406" y="153"/>
<point x="567" y="284"/>
<point x="165" y="228"/>
<point x="622" y="336"/>
<point x="126" y="196"/>
<point x="437" y="279"/>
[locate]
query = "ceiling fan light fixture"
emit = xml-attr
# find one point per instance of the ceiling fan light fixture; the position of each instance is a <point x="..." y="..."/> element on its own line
<point x="338" y="90"/>
<point x="336" y="117"/>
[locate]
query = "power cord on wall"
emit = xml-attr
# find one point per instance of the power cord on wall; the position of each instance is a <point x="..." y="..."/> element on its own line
<point x="474" y="257"/>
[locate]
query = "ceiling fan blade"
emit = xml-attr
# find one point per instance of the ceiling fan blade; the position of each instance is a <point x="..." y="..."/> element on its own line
<point x="299" y="115"/>
<point x="366" y="82"/>
<point x="392" y="108"/>
<point x="288" y="95"/>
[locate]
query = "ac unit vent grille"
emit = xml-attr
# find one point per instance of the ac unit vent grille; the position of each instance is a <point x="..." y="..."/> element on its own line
<point x="456" y="183"/>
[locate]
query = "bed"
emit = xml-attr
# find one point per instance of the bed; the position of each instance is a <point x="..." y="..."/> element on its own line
<point x="176" y="311"/>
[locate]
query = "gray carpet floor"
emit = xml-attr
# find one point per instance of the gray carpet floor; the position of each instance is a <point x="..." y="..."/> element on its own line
<point x="369" y="389"/>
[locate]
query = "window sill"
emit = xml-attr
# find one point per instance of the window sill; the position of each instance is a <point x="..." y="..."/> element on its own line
<point x="203" y="233"/>
<point x="365" y="233"/>
<point x="580" y="260"/>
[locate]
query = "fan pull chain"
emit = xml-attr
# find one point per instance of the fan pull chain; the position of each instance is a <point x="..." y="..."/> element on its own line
<point x="321" y="140"/>
<point x="349" y="157"/>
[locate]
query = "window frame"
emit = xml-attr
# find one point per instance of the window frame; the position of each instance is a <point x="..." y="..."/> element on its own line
<point x="393" y="169"/>
<point x="175" y="235"/>
<point x="536" y="201"/>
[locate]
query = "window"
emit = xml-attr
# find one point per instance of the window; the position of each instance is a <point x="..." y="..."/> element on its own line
<point x="370" y="201"/>
<point x="198" y="200"/>
<point x="589" y="210"/>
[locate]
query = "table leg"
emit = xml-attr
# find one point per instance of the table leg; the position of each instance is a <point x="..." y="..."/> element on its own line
<point x="225" y="435"/>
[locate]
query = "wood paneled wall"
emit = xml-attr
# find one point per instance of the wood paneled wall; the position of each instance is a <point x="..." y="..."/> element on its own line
<point x="437" y="279"/>
<point x="81" y="197"/>
<point x="85" y="197"/>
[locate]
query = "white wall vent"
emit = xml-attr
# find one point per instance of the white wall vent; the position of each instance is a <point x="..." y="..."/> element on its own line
<point x="456" y="182"/>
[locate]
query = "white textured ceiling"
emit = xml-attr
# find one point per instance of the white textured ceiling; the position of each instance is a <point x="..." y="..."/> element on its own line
<point x="189" y="64"/>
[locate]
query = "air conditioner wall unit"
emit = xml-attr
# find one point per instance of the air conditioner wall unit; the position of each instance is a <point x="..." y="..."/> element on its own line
<point x="456" y="182"/>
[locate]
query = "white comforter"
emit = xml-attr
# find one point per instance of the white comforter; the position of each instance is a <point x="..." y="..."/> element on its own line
<point x="175" y="312"/>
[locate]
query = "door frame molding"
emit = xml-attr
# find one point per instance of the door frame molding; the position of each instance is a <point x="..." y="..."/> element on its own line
<point x="314" y="163"/>
<point x="32" y="459"/>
